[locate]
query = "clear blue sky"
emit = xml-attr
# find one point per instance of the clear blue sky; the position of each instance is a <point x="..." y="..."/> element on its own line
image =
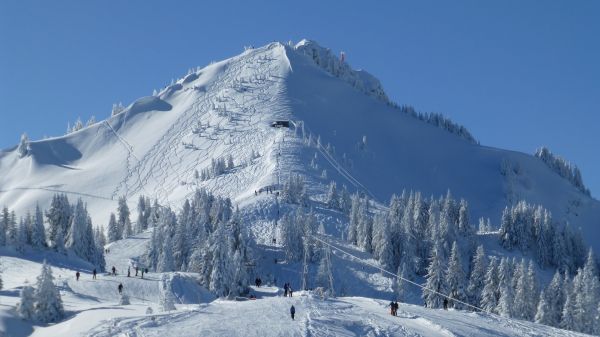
<point x="518" y="74"/>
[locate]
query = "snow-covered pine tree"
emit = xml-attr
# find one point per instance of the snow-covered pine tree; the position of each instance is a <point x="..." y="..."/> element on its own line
<point x="221" y="273"/>
<point x="400" y="284"/>
<point x="59" y="218"/>
<point x="21" y="239"/>
<point x="113" y="229"/>
<point x="291" y="237"/>
<point x="3" y="226"/>
<point x="554" y="298"/>
<point x="25" y="307"/>
<point x="166" y="300"/>
<point x="48" y="303"/>
<point x="420" y="233"/>
<point x="435" y="280"/>
<point x="23" y="148"/>
<point x="12" y="230"/>
<point x="383" y="242"/>
<point x="80" y="238"/>
<point x="365" y="226"/>
<point x="455" y="279"/>
<point x="521" y="296"/>
<point x="333" y="199"/>
<point x="587" y="295"/>
<point x="38" y="233"/>
<point x="542" y="314"/>
<point x="123" y="218"/>
<point x="345" y="201"/>
<point x="165" y="260"/>
<point x="567" y="320"/>
<point x="490" y="293"/>
<point x="142" y="220"/>
<point x="507" y="231"/>
<point x="506" y="300"/>
<point x="353" y="219"/>
<point x="477" y="276"/>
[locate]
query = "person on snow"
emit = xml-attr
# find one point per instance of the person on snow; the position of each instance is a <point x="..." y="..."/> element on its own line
<point x="136" y="270"/>
<point x="292" y="311"/>
<point x="77" y="276"/>
<point x="128" y="271"/>
<point x="285" y="290"/>
<point x="142" y="273"/>
<point x="392" y="308"/>
<point x="114" y="270"/>
<point x="94" y="274"/>
<point x="290" y="290"/>
<point x="395" y="308"/>
<point x="120" y="288"/>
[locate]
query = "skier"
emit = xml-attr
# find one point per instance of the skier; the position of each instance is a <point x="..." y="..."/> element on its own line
<point x="94" y="274"/>
<point x="114" y="270"/>
<point x="120" y="288"/>
<point x="290" y="290"/>
<point x="396" y="308"/>
<point x="285" y="290"/>
<point x="292" y="311"/>
<point x="136" y="270"/>
<point x="392" y="308"/>
<point x="142" y="273"/>
<point x="128" y="271"/>
<point x="77" y="275"/>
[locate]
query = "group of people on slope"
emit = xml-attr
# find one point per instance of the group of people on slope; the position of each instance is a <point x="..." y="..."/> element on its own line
<point x="394" y="308"/>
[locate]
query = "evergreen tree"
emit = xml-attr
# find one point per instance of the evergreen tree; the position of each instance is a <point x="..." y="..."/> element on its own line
<point x="143" y="214"/>
<point x="587" y="295"/>
<point x="48" y="303"/>
<point x="220" y="276"/>
<point x="80" y="238"/>
<point x="542" y="315"/>
<point x="123" y="221"/>
<point x="354" y="216"/>
<point x="3" y="226"/>
<point x="455" y="279"/>
<point x="21" y="239"/>
<point x="435" y="284"/>
<point x="333" y="199"/>
<point x="12" y="230"/>
<point x="59" y="219"/>
<point x="383" y="248"/>
<point x="477" y="277"/>
<point x="399" y="284"/>
<point x="165" y="261"/>
<point x="25" y="307"/>
<point x="505" y="302"/>
<point x="38" y="233"/>
<point x="490" y="293"/>
<point x="554" y="298"/>
<point x="166" y="299"/>
<point x="113" y="229"/>
<point x="567" y="321"/>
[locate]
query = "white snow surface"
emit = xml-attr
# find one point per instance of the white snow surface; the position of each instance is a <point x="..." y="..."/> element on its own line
<point x="156" y="144"/>
<point x="92" y="306"/>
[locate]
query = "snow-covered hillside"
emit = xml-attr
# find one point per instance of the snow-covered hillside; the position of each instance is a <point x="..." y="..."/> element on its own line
<point x="213" y="129"/>
<point x="92" y="308"/>
<point x="158" y="143"/>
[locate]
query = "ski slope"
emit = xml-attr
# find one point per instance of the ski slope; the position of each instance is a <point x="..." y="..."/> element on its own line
<point x="158" y="143"/>
<point x="92" y="307"/>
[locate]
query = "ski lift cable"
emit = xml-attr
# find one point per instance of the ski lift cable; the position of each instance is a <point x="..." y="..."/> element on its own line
<point x="397" y="276"/>
<point x="499" y="317"/>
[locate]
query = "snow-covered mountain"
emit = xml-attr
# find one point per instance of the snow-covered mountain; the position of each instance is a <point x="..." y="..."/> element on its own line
<point x="243" y="126"/>
<point x="159" y="145"/>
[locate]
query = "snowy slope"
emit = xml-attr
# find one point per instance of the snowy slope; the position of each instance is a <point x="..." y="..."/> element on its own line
<point x="155" y="146"/>
<point x="93" y="310"/>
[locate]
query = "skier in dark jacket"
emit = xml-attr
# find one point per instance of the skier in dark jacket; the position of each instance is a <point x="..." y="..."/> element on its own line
<point x="77" y="275"/>
<point x="94" y="274"/>
<point x="292" y="311"/>
<point x="114" y="270"/>
<point x="120" y="287"/>
<point x="285" y="290"/>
